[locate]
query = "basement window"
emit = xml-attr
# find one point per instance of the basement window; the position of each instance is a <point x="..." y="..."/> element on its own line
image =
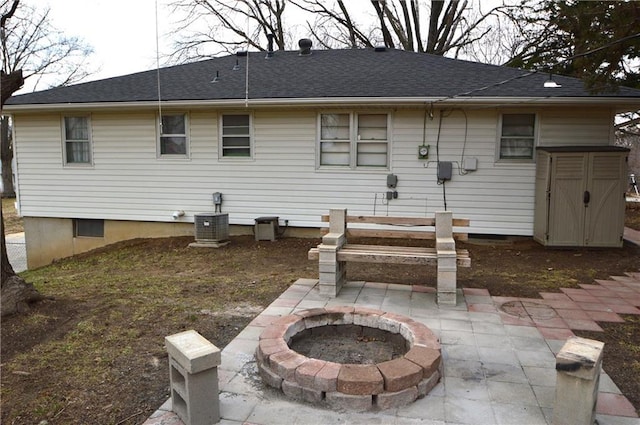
<point x="90" y="228"/>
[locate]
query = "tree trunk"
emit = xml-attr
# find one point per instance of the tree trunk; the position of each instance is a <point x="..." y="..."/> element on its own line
<point x="6" y="154"/>
<point x="15" y="293"/>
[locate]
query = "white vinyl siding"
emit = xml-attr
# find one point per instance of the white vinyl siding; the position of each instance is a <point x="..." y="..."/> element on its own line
<point x="173" y="140"/>
<point x="354" y="140"/>
<point x="76" y="131"/>
<point x="128" y="183"/>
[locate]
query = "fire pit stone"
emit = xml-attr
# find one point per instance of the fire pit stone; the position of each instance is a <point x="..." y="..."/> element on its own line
<point x="382" y="385"/>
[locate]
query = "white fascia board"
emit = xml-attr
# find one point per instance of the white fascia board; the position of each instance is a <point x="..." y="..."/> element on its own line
<point x="620" y="103"/>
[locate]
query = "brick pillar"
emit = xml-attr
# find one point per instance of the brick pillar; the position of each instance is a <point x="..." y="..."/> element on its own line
<point x="578" y="367"/>
<point x="193" y="371"/>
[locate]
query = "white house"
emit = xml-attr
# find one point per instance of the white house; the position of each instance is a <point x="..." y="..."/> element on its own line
<point x="293" y="134"/>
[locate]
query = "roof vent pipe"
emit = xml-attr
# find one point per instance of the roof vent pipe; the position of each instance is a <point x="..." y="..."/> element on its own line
<point x="270" y="38"/>
<point x="305" y="46"/>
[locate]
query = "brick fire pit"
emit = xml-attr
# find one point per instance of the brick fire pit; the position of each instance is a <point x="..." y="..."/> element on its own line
<point x="360" y="387"/>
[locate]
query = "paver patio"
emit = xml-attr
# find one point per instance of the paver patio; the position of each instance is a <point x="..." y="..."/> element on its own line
<point x="499" y="361"/>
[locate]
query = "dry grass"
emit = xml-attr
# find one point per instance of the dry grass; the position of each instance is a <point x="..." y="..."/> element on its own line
<point x="12" y="222"/>
<point x="96" y="354"/>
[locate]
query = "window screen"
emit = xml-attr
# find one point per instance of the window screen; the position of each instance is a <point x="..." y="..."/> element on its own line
<point x="517" y="140"/>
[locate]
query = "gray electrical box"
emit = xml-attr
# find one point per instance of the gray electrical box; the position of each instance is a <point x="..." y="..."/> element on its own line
<point x="445" y="169"/>
<point x="266" y="228"/>
<point x="392" y="181"/>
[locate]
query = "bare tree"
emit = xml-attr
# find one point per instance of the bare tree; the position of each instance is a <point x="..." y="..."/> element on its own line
<point x="211" y="27"/>
<point x="439" y="26"/>
<point x="15" y="292"/>
<point x="31" y="44"/>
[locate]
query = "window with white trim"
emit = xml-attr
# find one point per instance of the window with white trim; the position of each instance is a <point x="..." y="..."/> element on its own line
<point x="517" y="136"/>
<point x="236" y="135"/>
<point x="173" y="135"/>
<point x="355" y="140"/>
<point x="77" y="140"/>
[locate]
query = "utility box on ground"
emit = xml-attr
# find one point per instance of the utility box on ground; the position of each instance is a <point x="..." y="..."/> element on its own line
<point x="266" y="228"/>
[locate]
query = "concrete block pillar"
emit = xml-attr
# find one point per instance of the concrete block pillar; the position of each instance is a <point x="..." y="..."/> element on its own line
<point x="193" y="371"/>
<point x="333" y="273"/>
<point x="447" y="277"/>
<point x="447" y="259"/>
<point x="578" y="366"/>
<point x="337" y="220"/>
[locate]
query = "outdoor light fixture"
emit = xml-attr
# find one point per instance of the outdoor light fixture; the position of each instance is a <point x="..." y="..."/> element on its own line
<point x="550" y="83"/>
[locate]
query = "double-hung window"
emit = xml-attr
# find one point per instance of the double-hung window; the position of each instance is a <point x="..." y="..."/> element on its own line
<point x="517" y="137"/>
<point x="236" y="136"/>
<point x="173" y="135"/>
<point x="354" y="140"/>
<point x="335" y="139"/>
<point x="77" y="140"/>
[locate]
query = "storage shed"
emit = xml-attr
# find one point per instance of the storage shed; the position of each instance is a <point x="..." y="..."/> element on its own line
<point x="580" y="195"/>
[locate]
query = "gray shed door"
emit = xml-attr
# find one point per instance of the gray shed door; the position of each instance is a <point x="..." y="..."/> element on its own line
<point x="586" y="202"/>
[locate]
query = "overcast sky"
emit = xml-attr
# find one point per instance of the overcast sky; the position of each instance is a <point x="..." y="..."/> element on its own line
<point x="121" y="32"/>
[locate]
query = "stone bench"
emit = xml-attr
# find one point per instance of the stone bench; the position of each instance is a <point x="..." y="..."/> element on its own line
<point x="334" y="251"/>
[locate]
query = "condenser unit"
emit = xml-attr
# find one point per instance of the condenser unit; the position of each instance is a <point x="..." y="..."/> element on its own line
<point x="211" y="229"/>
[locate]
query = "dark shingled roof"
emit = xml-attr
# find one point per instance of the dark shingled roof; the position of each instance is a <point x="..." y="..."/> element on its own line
<point x="322" y="74"/>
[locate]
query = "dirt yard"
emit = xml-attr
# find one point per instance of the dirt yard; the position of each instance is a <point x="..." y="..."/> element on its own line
<point x="95" y="354"/>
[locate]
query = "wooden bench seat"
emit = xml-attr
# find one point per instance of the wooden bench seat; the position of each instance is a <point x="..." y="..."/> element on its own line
<point x="392" y="254"/>
<point x="335" y="252"/>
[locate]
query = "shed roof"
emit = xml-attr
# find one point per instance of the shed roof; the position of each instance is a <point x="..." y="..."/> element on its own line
<point x="349" y="73"/>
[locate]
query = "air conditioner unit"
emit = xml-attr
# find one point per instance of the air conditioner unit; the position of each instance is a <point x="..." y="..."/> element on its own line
<point x="211" y="230"/>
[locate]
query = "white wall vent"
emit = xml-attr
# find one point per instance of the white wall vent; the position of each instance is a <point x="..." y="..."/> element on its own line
<point x="211" y="229"/>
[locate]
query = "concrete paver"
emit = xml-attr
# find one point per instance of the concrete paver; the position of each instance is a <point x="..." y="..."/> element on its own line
<point x="16" y="251"/>
<point x="511" y="380"/>
<point x="499" y="368"/>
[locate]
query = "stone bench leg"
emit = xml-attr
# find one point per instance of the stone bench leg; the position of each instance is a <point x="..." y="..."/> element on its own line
<point x="578" y="367"/>
<point x="447" y="258"/>
<point x="447" y="277"/>
<point x="193" y="371"/>
<point x="333" y="273"/>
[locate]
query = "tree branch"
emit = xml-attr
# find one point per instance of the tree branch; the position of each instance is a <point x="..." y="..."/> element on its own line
<point x="9" y="14"/>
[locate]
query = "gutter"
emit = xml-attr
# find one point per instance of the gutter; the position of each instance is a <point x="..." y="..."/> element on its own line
<point x="621" y="103"/>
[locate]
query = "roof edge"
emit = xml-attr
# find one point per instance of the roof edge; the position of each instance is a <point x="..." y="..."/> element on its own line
<point x="436" y="102"/>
